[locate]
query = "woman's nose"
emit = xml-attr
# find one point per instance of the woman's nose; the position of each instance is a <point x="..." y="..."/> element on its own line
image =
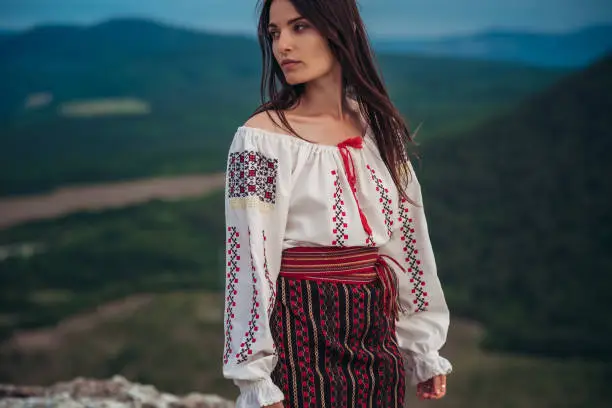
<point x="285" y="41"/>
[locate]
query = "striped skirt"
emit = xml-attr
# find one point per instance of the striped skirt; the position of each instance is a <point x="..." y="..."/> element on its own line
<point x="335" y="343"/>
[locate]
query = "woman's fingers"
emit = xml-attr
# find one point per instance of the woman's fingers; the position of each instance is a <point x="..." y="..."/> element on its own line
<point x="424" y="389"/>
<point x="439" y="386"/>
<point x="420" y="392"/>
<point x="433" y="388"/>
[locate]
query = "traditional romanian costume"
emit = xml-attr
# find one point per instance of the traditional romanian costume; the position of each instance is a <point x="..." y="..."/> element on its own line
<point x="332" y="297"/>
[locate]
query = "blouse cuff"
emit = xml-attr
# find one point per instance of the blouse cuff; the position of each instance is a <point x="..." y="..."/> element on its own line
<point x="258" y="393"/>
<point x="422" y="367"/>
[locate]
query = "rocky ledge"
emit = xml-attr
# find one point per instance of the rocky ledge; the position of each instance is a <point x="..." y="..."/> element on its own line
<point x="92" y="393"/>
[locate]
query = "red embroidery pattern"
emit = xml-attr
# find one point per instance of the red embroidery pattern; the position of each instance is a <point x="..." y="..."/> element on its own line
<point x="232" y="280"/>
<point x="414" y="264"/>
<point x="369" y="242"/>
<point x="339" y="229"/>
<point x="267" y="275"/>
<point x="384" y="199"/>
<point x="251" y="173"/>
<point x="327" y="323"/>
<point x="246" y="346"/>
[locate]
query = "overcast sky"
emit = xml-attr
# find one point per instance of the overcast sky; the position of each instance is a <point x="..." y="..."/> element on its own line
<point x="383" y="17"/>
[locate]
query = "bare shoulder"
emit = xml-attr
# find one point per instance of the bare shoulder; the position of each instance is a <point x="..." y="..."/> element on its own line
<point x="263" y="121"/>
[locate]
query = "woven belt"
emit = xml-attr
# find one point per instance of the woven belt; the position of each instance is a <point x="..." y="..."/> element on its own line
<point x="353" y="265"/>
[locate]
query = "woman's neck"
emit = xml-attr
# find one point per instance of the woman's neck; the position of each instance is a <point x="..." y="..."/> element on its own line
<point x="325" y="98"/>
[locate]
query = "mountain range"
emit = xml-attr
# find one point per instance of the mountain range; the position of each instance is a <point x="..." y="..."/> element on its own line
<point x="523" y="222"/>
<point x="573" y="49"/>
<point x="515" y="183"/>
<point x="133" y="98"/>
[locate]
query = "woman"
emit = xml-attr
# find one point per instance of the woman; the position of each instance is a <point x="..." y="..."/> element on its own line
<point x="332" y="295"/>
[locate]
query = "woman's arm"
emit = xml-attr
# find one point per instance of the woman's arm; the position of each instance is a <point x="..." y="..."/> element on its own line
<point x="422" y="328"/>
<point x="256" y="207"/>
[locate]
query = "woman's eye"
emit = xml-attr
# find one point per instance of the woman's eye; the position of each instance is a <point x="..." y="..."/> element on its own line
<point x="273" y="34"/>
<point x="300" y="26"/>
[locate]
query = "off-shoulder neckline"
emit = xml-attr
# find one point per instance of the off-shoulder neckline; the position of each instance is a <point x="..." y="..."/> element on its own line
<point x="300" y="142"/>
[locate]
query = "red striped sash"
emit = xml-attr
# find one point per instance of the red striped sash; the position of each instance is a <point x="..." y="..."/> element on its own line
<point x="344" y="265"/>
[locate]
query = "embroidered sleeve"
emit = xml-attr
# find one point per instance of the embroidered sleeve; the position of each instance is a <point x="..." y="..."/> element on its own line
<point x="422" y="328"/>
<point x="256" y="209"/>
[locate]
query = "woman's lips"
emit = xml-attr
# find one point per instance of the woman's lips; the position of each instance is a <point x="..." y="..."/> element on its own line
<point x="290" y="65"/>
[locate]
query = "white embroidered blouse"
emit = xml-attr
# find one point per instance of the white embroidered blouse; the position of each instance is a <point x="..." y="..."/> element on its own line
<point x="281" y="192"/>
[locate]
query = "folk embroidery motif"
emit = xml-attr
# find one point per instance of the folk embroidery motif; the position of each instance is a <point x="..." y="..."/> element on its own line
<point x="384" y="200"/>
<point x="247" y="344"/>
<point x="252" y="180"/>
<point x="231" y="291"/>
<point x="411" y="257"/>
<point x="339" y="224"/>
<point x="267" y="275"/>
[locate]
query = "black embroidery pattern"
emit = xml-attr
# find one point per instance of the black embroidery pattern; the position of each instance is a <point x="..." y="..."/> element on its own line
<point x="339" y="226"/>
<point x="413" y="263"/>
<point x="385" y="200"/>
<point x="251" y="174"/>
<point x="246" y="346"/>
<point x="231" y="291"/>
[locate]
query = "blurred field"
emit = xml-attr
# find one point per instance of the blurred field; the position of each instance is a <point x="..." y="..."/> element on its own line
<point x="112" y="278"/>
<point x="130" y="99"/>
<point x="93" y="257"/>
<point x="167" y="260"/>
<point x="105" y="107"/>
<point x="175" y="341"/>
<point x="69" y="199"/>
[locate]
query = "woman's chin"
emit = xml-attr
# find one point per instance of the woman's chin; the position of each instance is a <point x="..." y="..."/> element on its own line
<point x="296" y="78"/>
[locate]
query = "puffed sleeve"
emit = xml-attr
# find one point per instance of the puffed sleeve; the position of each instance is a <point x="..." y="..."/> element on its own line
<point x="422" y="327"/>
<point x="256" y="205"/>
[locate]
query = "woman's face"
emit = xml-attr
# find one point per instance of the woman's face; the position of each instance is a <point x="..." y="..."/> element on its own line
<point x="295" y="38"/>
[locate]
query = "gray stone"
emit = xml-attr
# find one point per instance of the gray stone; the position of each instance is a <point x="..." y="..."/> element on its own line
<point x="116" y="392"/>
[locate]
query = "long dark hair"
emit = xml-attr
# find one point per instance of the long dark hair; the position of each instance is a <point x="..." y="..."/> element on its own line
<point x="339" y="21"/>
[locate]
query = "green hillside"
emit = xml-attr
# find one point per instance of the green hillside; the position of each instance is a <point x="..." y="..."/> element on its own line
<point x="194" y="88"/>
<point x="521" y="220"/>
<point x="85" y="259"/>
<point x="519" y="216"/>
<point x="174" y="341"/>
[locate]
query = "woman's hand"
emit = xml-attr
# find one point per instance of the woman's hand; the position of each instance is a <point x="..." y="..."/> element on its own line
<point x="275" y="405"/>
<point x="434" y="388"/>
